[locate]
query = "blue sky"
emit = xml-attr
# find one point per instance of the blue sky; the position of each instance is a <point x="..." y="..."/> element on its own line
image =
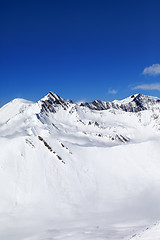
<point x="82" y="50"/>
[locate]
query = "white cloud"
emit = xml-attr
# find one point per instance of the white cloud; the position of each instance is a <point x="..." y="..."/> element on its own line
<point x="152" y="70"/>
<point x="152" y="86"/>
<point x="81" y="101"/>
<point x="112" y="91"/>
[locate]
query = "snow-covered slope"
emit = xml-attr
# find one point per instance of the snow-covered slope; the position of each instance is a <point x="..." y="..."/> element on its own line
<point x="79" y="170"/>
<point x="150" y="233"/>
<point x="13" y="108"/>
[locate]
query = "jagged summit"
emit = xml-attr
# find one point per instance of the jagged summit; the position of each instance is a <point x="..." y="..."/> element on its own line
<point x="51" y="101"/>
<point x="138" y="97"/>
<point x="137" y="102"/>
<point x="53" y="97"/>
<point x="134" y="103"/>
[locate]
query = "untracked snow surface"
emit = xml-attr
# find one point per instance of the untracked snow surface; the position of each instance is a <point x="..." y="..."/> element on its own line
<point x="149" y="233"/>
<point x="79" y="171"/>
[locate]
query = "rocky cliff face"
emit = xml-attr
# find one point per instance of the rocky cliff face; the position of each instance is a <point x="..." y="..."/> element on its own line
<point x="134" y="103"/>
<point x="51" y="101"/>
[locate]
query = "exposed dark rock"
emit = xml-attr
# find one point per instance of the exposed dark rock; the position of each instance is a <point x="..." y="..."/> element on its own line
<point x="135" y="103"/>
<point x="51" y="102"/>
<point x="50" y="149"/>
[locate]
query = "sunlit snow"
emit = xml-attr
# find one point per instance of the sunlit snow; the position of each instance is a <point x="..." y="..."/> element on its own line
<point x="68" y="171"/>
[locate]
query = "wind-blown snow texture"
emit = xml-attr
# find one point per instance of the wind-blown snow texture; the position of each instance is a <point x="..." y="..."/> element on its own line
<point x="79" y="170"/>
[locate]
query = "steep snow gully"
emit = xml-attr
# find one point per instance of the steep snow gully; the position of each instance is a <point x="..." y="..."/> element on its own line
<point x="80" y="170"/>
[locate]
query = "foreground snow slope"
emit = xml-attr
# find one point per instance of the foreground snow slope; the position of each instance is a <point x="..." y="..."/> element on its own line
<point x="149" y="233"/>
<point x="71" y="171"/>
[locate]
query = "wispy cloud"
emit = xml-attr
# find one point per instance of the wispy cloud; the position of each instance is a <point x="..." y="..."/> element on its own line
<point x="112" y="91"/>
<point x="152" y="86"/>
<point x="81" y="101"/>
<point x="152" y="70"/>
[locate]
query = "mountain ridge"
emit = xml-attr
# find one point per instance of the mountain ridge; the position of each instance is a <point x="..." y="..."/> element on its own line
<point x="134" y="103"/>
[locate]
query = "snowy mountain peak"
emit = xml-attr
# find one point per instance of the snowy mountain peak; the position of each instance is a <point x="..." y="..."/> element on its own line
<point x="138" y="97"/>
<point x="51" y="101"/>
<point x="53" y="97"/>
<point x="134" y="103"/>
<point x="13" y="108"/>
<point x="138" y="102"/>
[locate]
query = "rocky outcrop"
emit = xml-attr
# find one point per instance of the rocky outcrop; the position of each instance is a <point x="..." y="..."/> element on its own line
<point x="51" y="101"/>
<point x="135" y="103"/>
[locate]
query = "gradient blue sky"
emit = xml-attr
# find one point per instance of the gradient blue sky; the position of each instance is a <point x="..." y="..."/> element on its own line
<point x="82" y="50"/>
